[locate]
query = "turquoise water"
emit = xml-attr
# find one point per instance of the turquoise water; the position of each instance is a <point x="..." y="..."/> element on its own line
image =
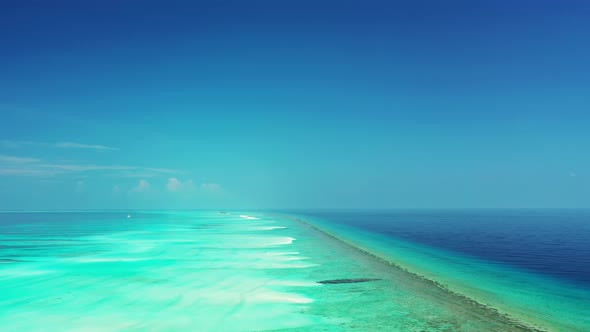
<point x="210" y="271"/>
<point x="558" y="299"/>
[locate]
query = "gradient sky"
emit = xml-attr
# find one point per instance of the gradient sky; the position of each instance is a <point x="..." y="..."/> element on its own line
<point x="294" y="104"/>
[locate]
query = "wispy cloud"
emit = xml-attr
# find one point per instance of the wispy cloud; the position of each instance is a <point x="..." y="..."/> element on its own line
<point x="163" y="170"/>
<point x="211" y="186"/>
<point x="10" y="144"/>
<point x="87" y="167"/>
<point x="148" y="172"/>
<point x="25" y="172"/>
<point x="17" y="160"/>
<point x="28" y="166"/>
<point x="72" y="145"/>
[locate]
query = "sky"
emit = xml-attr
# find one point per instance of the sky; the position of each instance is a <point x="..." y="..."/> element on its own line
<point x="294" y="104"/>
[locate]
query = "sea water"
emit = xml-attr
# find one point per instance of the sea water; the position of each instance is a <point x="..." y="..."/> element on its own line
<point x="533" y="265"/>
<point x="212" y="271"/>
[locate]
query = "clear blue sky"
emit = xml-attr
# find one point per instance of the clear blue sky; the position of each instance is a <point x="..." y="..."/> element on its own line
<point x="294" y="104"/>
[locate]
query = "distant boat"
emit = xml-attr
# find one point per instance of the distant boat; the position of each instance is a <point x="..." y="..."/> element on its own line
<point x="128" y="216"/>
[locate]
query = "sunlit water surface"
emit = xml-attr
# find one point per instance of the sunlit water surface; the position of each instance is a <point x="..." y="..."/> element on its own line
<point x="531" y="264"/>
<point x="211" y="271"/>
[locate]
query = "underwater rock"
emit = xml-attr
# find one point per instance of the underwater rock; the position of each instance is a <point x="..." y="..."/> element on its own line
<point x="8" y="260"/>
<point x="347" y="281"/>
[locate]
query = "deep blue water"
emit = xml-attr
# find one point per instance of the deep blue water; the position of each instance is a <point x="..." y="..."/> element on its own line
<point x="549" y="242"/>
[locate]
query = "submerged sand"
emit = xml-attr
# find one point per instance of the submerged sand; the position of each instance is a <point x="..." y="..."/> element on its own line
<point x="209" y="271"/>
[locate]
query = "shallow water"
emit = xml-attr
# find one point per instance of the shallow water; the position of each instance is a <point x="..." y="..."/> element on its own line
<point x="207" y="271"/>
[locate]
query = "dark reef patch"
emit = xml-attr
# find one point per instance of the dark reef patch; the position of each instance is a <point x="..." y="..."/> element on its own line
<point x="347" y="281"/>
<point x="8" y="260"/>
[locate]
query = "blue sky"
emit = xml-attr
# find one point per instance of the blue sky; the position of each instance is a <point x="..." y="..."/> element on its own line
<point x="294" y="104"/>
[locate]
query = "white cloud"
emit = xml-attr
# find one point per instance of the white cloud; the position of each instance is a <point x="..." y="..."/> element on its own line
<point x="17" y="160"/>
<point x="211" y="186"/>
<point x="25" y="172"/>
<point x="28" y="166"/>
<point x="149" y="172"/>
<point x="174" y="184"/>
<point x="23" y="166"/>
<point x="142" y="186"/>
<point x="163" y="170"/>
<point x="72" y="145"/>
<point x="59" y="145"/>
<point x="87" y="167"/>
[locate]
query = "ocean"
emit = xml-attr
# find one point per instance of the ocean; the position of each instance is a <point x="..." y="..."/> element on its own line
<point x="294" y="271"/>
<point x="531" y="264"/>
<point x="555" y="243"/>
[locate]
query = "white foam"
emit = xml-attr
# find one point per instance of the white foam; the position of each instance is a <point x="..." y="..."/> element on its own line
<point x="108" y="259"/>
<point x="278" y="265"/>
<point x="16" y="273"/>
<point x="282" y="240"/>
<point x="282" y="253"/>
<point x="248" y="217"/>
<point x="293" y="283"/>
<point x="270" y="228"/>
<point x="278" y="297"/>
<point x="260" y="241"/>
